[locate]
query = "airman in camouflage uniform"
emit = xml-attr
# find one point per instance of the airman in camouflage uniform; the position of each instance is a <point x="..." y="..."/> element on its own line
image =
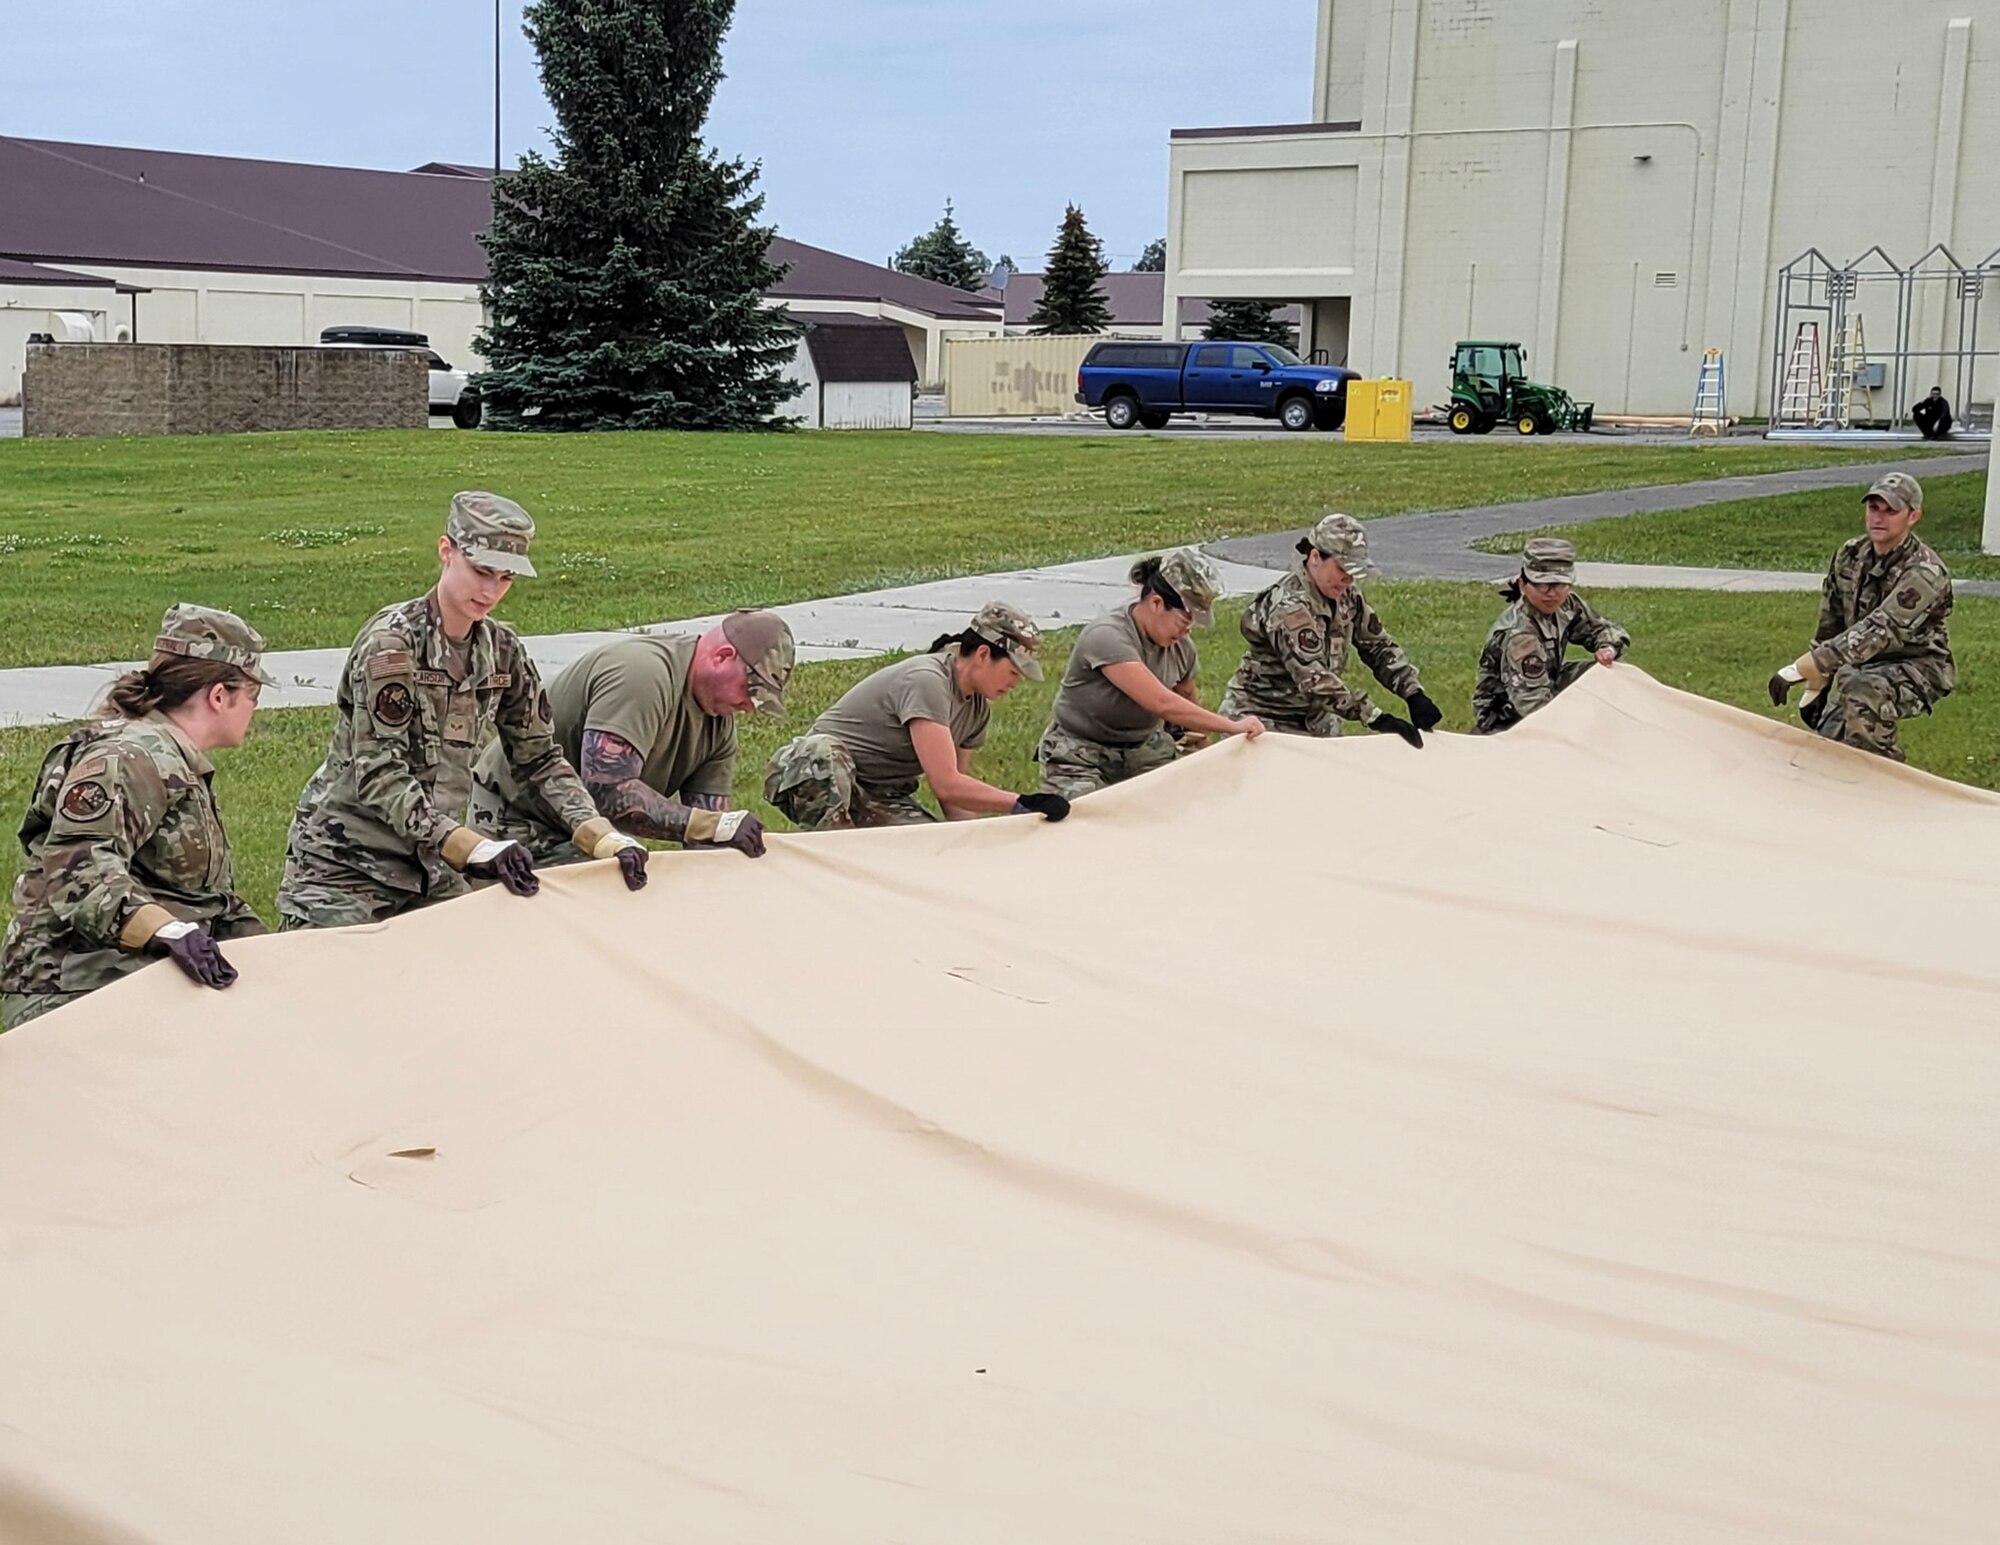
<point x="860" y="764"/>
<point x="1299" y="632"/>
<point x="1130" y="674"/>
<point x="1881" y="652"/>
<point x="125" y="854"/>
<point x="1525" y="662"/>
<point x="380" y="828"/>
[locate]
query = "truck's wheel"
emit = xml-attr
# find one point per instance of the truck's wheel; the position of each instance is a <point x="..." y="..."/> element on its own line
<point x="467" y="413"/>
<point x="1296" y="413"/>
<point x="1153" y="418"/>
<point x="1463" y="420"/>
<point x="1121" y="411"/>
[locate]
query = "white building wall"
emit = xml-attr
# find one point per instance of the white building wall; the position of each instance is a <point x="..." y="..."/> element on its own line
<point x="30" y="308"/>
<point x="865" y="405"/>
<point x="1614" y="184"/>
<point x="197" y="306"/>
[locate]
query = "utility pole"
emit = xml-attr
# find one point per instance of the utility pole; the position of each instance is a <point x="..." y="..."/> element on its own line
<point x="496" y="99"/>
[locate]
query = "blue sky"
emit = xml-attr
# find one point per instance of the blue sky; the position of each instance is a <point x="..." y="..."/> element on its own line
<point x="867" y="114"/>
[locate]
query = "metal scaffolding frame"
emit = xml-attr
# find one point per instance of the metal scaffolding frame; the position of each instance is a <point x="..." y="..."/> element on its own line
<point x="1933" y="308"/>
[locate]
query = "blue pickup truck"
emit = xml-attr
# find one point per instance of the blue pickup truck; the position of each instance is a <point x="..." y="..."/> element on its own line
<point x="1145" y="384"/>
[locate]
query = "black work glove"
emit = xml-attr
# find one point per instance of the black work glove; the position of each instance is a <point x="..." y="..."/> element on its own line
<point x="632" y="867"/>
<point x="1812" y="711"/>
<point x="1051" y="807"/>
<point x="1781" y="687"/>
<point x="1424" y="714"/>
<point x="1389" y="724"/>
<point x="513" y="867"/>
<point x="748" y="838"/>
<point x="196" y="953"/>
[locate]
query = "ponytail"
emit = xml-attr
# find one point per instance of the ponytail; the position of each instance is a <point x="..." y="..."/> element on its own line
<point x="1146" y="575"/>
<point x="966" y="639"/>
<point x="167" y="682"/>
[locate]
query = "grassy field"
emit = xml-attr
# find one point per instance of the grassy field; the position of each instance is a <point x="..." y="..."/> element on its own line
<point x="307" y="534"/>
<point x="1792" y="531"/>
<point x="1723" y="646"/>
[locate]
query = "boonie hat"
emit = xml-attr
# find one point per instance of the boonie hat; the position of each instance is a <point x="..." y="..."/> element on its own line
<point x="1341" y="538"/>
<point x="1898" y="490"/>
<point x="1015" y="632"/>
<point x="202" y="633"/>
<point x="493" y="532"/>
<point x="1195" y="579"/>
<point x="763" y="641"/>
<point x="1549" y="560"/>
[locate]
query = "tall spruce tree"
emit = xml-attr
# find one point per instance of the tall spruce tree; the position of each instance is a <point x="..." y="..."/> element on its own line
<point x="1153" y="260"/>
<point x="1073" y="298"/>
<point x="625" y="276"/>
<point x="1250" y="321"/>
<point x="942" y="254"/>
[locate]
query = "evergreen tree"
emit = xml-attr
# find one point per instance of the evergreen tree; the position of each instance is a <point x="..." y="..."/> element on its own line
<point x="1154" y="259"/>
<point x="626" y="275"/>
<point x="1073" y="282"/>
<point x="942" y="254"/>
<point x="1250" y="321"/>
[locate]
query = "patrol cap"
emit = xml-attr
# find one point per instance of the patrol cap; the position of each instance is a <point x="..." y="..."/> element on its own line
<point x="1341" y="538"/>
<point x="1898" y="490"/>
<point x="201" y="633"/>
<point x="1014" y="631"/>
<point x="763" y="641"/>
<point x="1549" y="560"/>
<point x="1195" y="579"/>
<point x="493" y="532"/>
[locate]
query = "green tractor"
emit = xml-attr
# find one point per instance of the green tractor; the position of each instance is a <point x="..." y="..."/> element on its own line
<point x="1489" y="386"/>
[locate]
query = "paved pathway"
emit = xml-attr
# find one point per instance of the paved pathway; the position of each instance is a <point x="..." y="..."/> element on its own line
<point x="1439" y="545"/>
<point x="1423" y="546"/>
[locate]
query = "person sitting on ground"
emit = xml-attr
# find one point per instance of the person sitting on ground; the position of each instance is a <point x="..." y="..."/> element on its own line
<point x="1132" y="673"/>
<point x="126" y="857"/>
<point x="649" y="722"/>
<point x="1525" y="662"/>
<point x="380" y="826"/>
<point x="1932" y="416"/>
<point x="918" y="720"/>
<point x="1299" y="633"/>
<point x="1881" y="651"/>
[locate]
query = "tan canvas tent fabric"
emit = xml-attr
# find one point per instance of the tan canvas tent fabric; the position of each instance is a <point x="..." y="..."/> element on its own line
<point x="1584" y="1135"/>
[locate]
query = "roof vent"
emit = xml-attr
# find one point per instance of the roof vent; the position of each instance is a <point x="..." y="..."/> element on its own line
<point x="1666" y="281"/>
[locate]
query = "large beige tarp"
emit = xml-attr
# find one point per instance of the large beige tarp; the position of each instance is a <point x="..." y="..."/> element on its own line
<point x="1586" y="1135"/>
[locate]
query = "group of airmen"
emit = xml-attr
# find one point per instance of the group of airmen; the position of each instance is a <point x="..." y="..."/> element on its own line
<point x="452" y="765"/>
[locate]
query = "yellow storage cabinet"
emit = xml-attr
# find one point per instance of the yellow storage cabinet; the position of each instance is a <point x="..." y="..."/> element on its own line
<point x="1378" y="411"/>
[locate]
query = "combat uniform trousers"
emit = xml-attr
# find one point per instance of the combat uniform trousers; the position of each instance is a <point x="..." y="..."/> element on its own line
<point x="812" y="783"/>
<point x="1073" y="767"/>
<point x="1864" y="702"/>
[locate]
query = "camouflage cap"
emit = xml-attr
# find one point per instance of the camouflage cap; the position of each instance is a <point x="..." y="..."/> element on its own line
<point x="202" y="633"/>
<point x="1014" y="631"/>
<point x="1195" y="579"/>
<point x="1898" y="490"/>
<point x="1549" y="560"/>
<point x="763" y="641"/>
<point x="493" y="532"/>
<point x="1341" y="538"/>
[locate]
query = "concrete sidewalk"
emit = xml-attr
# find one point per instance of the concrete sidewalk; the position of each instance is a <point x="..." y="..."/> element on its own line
<point x="875" y="622"/>
<point x="852" y="627"/>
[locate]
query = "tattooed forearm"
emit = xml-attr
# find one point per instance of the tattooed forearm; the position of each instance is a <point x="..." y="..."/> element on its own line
<point x="611" y="769"/>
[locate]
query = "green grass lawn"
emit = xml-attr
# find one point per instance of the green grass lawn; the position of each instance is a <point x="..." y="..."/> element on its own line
<point x="1723" y="646"/>
<point x="306" y="535"/>
<point x="1792" y="531"/>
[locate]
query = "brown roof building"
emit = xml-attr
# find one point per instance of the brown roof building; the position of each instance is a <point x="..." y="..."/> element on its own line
<point x="224" y="249"/>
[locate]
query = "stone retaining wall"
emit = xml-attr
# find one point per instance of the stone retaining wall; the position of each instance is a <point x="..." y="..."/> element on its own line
<point x="206" y="389"/>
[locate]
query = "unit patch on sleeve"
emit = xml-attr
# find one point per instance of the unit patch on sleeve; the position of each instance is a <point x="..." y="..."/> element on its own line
<point x="86" y="801"/>
<point x="394" y="706"/>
